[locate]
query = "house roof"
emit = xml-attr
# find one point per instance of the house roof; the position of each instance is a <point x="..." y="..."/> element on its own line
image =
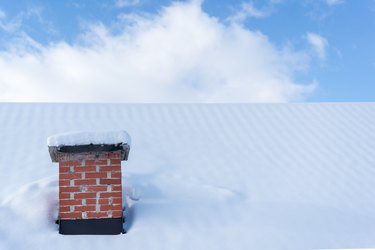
<point x="245" y="176"/>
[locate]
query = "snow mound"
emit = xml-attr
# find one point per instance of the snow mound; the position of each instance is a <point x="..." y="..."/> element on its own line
<point x="36" y="203"/>
<point x="89" y="137"/>
<point x="27" y="218"/>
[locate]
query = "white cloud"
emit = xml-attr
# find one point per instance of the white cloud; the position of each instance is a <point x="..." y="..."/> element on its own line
<point x="16" y="23"/>
<point x="3" y="25"/>
<point x="318" y="43"/>
<point x="179" y="55"/>
<point x="334" y="2"/>
<point x="249" y="10"/>
<point x="9" y="26"/>
<point x="2" y="14"/>
<point x="125" y="3"/>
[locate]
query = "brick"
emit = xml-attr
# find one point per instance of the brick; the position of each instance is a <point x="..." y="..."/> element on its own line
<point x="117" y="201"/>
<point x="89" y="162"/>
<point x="90" y="201"/>
<point x="97" y="188"/>
<point x="85" y="182"/>
<point x="85" y="196"/>
<point x="101" y="162"/>
<point x="69" y="189"/>
<point x="111" y="207"/>
<point x="116" y="174"/>
<point x="96" y="162"/>
<point x="110" y="181"/>
<point x="70" y="202"/>
<point x="85" y="169"/>
<point x="104" y="201"/>
<point x="117" y="214"/>
<point x="110" y="194"/>
<point x="96" y="215"/>
<point x="84" y="208"/>
<point x="64" y="169"/>
<point x="69" y="163"/>
<point x="110" y="168"/>
<point x="96" y="175"/>
<point x="71" y="215"/>
<point x="70" y="176"/>
<point x="64" y="196"/>
<point x="115" y="161"/>
<point x="113" y="201"/>
<point x="116" y="188"/>
<point x="63" y="183"/>
<point x="63" y="209"/>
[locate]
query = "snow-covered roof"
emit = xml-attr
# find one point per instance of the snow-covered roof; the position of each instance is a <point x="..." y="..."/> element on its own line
<point x="89" y="137"/>
<point x="244" y="176"/>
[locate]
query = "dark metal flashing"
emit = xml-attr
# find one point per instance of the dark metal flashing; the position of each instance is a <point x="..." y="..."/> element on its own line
<point x="89" y="148"/>
<point x="108" y="226"/>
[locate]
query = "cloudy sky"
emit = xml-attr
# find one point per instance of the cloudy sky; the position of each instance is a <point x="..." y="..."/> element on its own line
<point x="187" y="51"/>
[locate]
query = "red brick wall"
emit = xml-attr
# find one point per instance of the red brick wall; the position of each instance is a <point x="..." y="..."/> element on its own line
<point x="90" y="186"/>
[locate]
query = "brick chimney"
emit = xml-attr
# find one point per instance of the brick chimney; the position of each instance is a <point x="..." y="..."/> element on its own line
<point x="90" y="190"/>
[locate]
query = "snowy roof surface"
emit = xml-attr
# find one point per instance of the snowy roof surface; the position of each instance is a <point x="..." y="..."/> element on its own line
<point x="216" y="176"/>
<point x="89" y="137"/>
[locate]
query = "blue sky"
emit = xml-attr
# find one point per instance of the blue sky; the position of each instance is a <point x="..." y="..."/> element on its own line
<point x="187" y="51"/>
